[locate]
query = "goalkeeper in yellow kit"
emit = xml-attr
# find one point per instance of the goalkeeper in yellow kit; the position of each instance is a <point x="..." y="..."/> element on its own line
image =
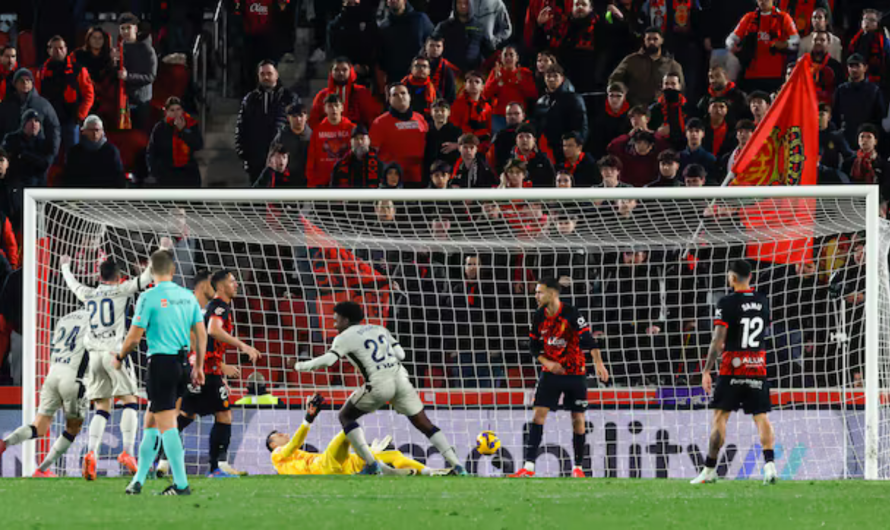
<point x="289" y="459"/>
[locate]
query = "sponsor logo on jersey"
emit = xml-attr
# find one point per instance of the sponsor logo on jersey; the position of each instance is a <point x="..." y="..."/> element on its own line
<point x="752" y="383"/>
<point x="557" y="342"/>
<point x="163" y="302"/>
<point x="220" y="310"/>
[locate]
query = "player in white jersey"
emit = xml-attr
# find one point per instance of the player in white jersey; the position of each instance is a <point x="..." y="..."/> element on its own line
<point x="378" y="356"/>
<point x="63" y="389"/>
<point x="107" y="305"/>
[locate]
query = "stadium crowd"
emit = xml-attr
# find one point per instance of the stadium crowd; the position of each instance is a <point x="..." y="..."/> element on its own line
<point x="472" y="93"/>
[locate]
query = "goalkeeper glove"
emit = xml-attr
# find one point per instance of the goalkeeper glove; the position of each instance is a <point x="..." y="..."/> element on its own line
<point x="315" y="401"/>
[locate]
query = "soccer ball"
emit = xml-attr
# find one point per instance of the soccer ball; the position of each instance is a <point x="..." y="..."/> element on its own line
<point x="489" y="443"/>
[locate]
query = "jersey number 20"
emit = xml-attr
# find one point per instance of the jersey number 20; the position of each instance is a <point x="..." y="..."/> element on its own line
<point x="751" y="330"/>
<point x="377" y="356"/>
<point x="105" y="308"/>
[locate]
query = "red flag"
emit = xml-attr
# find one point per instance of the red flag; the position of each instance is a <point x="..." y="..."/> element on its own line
<point x="784" y="151"/>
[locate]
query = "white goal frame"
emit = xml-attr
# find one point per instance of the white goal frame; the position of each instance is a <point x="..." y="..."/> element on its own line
<point x="872" y="226"/>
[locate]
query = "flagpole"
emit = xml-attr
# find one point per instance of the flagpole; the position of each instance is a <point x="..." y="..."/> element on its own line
<point x="730" y="176"/>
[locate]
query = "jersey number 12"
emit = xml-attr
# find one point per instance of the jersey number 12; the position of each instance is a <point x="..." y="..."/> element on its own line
<point x="751" y="330"/>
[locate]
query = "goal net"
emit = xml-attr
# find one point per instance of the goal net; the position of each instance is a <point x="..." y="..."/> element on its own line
<point x="452" y="274"/>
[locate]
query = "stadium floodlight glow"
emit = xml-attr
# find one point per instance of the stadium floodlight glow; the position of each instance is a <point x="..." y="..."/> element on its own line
<point x="452" y="273"/>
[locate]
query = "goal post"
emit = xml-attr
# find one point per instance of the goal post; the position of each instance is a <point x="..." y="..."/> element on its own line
<point x="472" y="369"/>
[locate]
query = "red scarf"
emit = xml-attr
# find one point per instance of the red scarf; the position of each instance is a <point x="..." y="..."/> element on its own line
<point x="871" y="46"/>
<point x="436" y="76"/>
<point x="429" y="91"/>
<point x="863" y="172"/>
<point x="181" y="151"/>
<point x="678" y="107"/>
<point x="621" y="112"/>
<point x="571" y="167"/>
<point x="678" y="15"/>
<point x="824" y="78"/>
<point x="517" y="155"/>
<point x="719" y="137"/>
<point x="714" y="94"/>
<point x="564" y="34"/>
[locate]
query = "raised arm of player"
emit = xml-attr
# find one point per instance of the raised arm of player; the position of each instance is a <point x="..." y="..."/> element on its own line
<point x="139" y="283"/>
<point x="80" y="290"/>
<point x="718" y="340"/>
<point x="219" y="334"/>
<point x="313" y="407"/>
<point x="325" y="361"/>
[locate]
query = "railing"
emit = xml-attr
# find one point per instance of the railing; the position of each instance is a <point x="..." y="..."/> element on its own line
<point x="219" y="49"/>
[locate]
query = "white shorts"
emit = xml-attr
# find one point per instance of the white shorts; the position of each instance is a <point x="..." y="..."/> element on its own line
<point x="62" y="390"/>
<point x="398" y="391"/>
<point x="105" y="381"/>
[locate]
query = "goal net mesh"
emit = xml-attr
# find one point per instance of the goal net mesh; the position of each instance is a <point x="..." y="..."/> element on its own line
<point x="454" y="281"/>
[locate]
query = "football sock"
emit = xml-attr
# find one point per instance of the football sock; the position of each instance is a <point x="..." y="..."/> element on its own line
<point x="97" y="430"/>
<point x="356" y="438"/>
<point x="148" y="449"/>
<point x="441" y="443"/>
<point x="769" y="455"/>
<point x="535" y="433"/>
<point x="59" y="448"/>
<point x="176" y="456"/>
<point x="129" y="422"/>
<point x="220" y="436"/>
<point x="22" y="434"/>
<point x="578" y="446"/>
<point x="710" y="462"/>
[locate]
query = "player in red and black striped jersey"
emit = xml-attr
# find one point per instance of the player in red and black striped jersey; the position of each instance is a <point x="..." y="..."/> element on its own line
<point x="559" y="337"/>
<point x="740" y="328"/>
<point x="213" y="397"/>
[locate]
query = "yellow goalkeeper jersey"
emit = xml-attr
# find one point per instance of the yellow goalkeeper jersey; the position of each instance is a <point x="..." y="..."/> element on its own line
<point x="335" y="460"/>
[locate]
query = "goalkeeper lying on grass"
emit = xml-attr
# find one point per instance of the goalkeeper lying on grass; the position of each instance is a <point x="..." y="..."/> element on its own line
<point x="289" y="459"/>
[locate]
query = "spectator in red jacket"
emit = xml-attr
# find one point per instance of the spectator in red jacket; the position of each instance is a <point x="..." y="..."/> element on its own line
<point x="8" y="65"/>
<point x="472" y="112"/>
<point x="400" y="135"/>
<point x="69" y="89"/>
<point x="508" y="82"/>
<point x="359" y="105"/>
<point x="423" y="93"/>
<point x="328" y="144"/>
<point x="761" y="40"/>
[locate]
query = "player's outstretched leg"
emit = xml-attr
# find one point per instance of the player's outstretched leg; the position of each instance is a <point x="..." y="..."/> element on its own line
<point x="59" y="448"/>
<point x="533" y="443"/>
<point x="767" y="439"/>
<point x="708" y="475"/>
<point x="423" y="424"/>
<point x="349" y="416"/>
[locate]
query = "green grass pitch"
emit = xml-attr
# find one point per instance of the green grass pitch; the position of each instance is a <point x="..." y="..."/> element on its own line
<point x="449" y="502"/>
